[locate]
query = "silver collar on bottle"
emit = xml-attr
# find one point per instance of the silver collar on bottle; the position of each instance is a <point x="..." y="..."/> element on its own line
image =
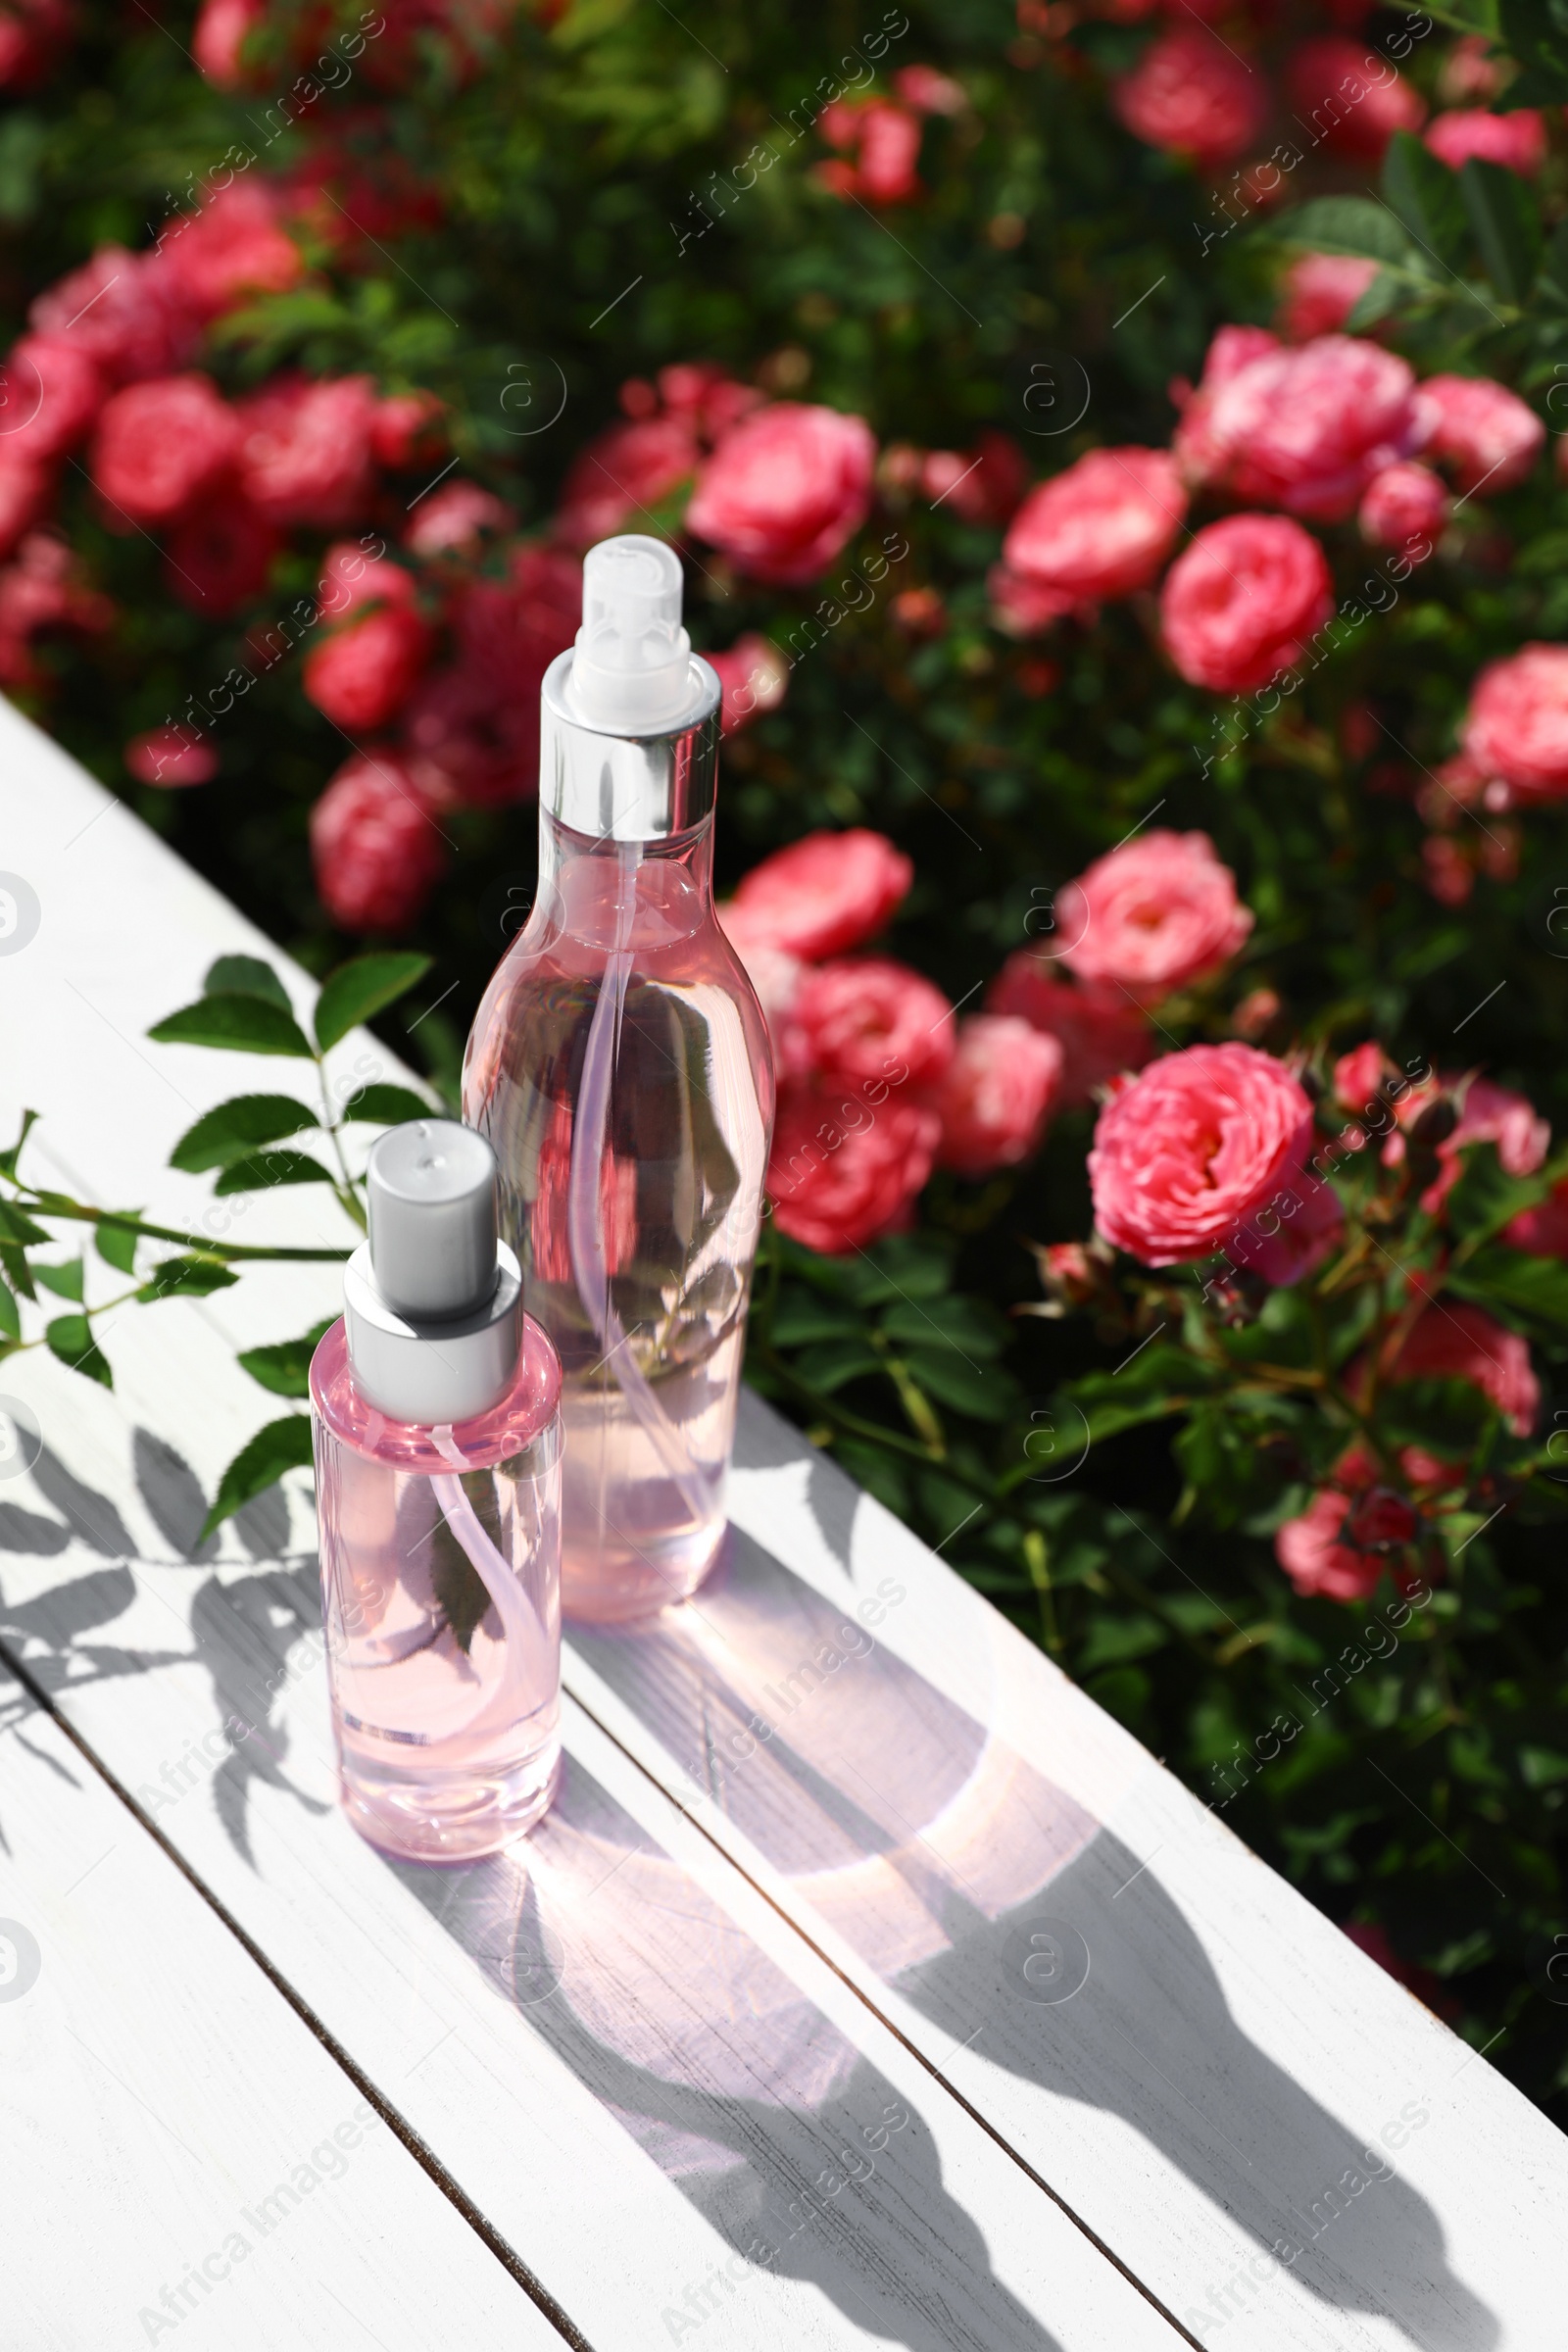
<point x="627" y="787"/>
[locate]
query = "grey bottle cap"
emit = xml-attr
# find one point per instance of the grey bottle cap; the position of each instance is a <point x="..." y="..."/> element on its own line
<point x="431" y="1185"/>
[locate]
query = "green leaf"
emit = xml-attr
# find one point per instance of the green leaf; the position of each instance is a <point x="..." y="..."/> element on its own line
<point x="800" y="1317"/>
<point x="1446" y="1416"/>
<point x="836" y="1361"/>
<point x="70" y="1339"/>
<point x="971" y="1326"/>
<point x="1387" y="293"/>
<point x="245" y="976"/>
<point x="461" y="1592"/>
<point x="1426" y="196"/>
<point x="18" y="1271"/>
<point x="285" y="1369"/>
<point x="1348" y="225"/>
<point x="1533" y="1291"/>
<point x="1486" y="1198"/>
<point x="17" y="1227"/>
<point x="266" y="1168"/>
<point x="357" y="990"/>
<point x="1505" y="219"/>
<point x="9" y="1313"/>
<point x="387" y="1107"/>
<point x="1536" y="34"/>
<point x="239" y="1024"/>
<point x="985" y="1396"/>
<point x="10" y="1157"/>
<point x="186" y="1278"/>
<point x="64" y="1281"/>
<point x="235" y="1128"/>
<point x="282" y="1445"/>
<point x="117" y="1245"/>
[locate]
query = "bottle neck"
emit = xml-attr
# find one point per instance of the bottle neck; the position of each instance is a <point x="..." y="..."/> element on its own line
<point x="621" y="896"/>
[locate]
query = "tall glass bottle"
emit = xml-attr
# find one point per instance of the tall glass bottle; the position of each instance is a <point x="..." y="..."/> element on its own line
<point x="619" y="1065"/>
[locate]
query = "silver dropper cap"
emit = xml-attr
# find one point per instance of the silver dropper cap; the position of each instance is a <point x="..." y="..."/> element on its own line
<point x="432" y="1304"/>
<point x="629" y="719"/>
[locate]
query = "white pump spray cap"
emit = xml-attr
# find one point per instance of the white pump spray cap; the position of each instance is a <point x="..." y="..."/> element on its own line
<point x="433" y="1303"/>
<point x="631" y="670"/>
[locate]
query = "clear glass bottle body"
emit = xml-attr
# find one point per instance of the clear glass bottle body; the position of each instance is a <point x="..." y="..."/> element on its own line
<point x="619" y="1065"/>
<point x="441" y="1602"/>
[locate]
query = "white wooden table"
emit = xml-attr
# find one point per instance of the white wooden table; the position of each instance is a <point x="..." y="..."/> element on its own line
<point x="943" y="2017"/>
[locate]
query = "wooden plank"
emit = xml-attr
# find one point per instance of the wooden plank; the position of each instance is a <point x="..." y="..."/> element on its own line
<point x="643" y="2078"/>
<point x="166" y="2109"/>
<point x="928" y="1796"/>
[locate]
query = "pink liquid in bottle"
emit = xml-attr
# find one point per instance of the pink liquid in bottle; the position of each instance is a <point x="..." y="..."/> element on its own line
<point x="440" y="1545"/>
<point x="619" y="1066"/>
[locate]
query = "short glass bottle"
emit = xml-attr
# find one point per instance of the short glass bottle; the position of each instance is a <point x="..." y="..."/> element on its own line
<point x="438" y="1449"/>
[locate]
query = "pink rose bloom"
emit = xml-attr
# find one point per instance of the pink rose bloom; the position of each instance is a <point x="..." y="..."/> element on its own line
<point x="407" y="430"/>
<point x="1359" y="1078"/>
<point x="375" y="852"/>
<point x="928" y="91"/>
<point x="1542" y="1230"/>
<point x="26" y="485"/>
<point x="220" y="554"/>
<point x="1349" y="97"/>
<point x="1320" y="290"/>
<point x="1184" y="1153"/>
<point x="1302" y="428"/>
<point x="1518" y="141"/>
<point x="172" y="757"/>
<point x="219" y="40"/>
<point x="1023" y="608"/>
<point x="1453" y="1341"/>
<point x="1241" y="604"/>
<point x="358" y="676"/>
<point x="54" y="391"/>
<point x="1481" y="430"/>
<point x="785" y="489"/>
<point x="773" y="973"/>
<point x="983" y="484"/>
<point x="1491" y="1115"/>
<point x="1292" y="1233"/>
<point x="996" y="1093"/>
<point x="620" y="473"/>
<point x="1153" y="915"/>
<point x="351" y="580"/>
<point x="1516" y="728"/>
<point x="1319" y="1562"/>
<point x="33" y="33"/>
<point x="825" y="894"/>
<point x="1099" y="1030"/>
<point x="754" y="675"/>
<point x="233" y="248"/>
<point x="890" y="149"/>
<point x="454" y="520"/>
<point x="123" y="312"/>
<point x="305" y="450"/>
<point x="866" y="1021"/>
<point x="1103" y="528"/>
<point x="1405" y="506"/>
<point x="1191" y="95"/>
<point x="837" y="1186"/>
<point x="160" y="444"/>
